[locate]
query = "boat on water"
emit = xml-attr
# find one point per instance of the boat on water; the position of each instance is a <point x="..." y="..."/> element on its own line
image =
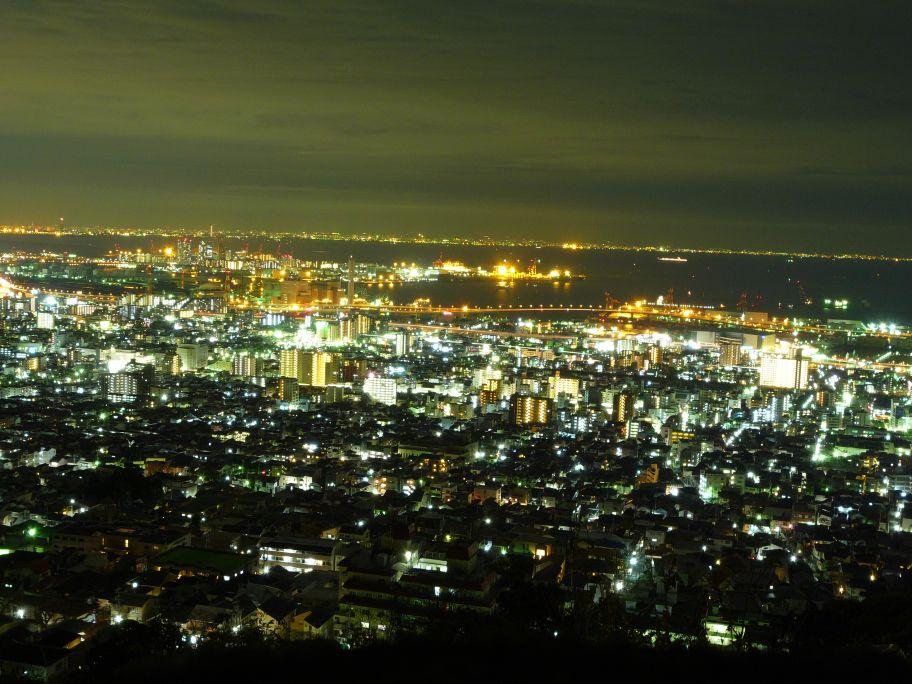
<point x="677" y="259"/>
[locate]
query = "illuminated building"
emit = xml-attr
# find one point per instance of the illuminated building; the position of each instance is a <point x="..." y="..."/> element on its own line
<point x="558" y="385"/>
<point x="45" y="320"/>
<point x="308" y="368"/>
<point x="675" y="436"/>
<point x="529" y="410"/>
<point x="288" y="390"/>
<point x="489" y="393"/>
<point x="129" y="385"/>
<point x="623" y="407"/>
<point x="381" y="390"/>
<point x="330" y="331"/>
<point x="192" y="357"/>
<point x="353" y="369"/>
<point x="655" y="354"/>
<point x="319" y="368"/>
<point x="729" y="352"/>
<point x="35" y="363"/>
<point x="246" y="366"/>
<point x="291" y="364"/>
<point x="362" y="325"/>
<point x="403" y="343"/>
<point x="650" y="475"/>
<point x="481" y="376"/>
<point x="783" y="373"/>
<point x="347" y="331"/>
<point x="298" y="554"/>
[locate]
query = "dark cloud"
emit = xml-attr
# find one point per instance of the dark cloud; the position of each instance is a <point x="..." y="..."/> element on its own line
<point x="707" y="122"/>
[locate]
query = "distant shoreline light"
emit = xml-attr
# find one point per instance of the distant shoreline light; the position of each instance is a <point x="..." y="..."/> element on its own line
<point x="59" y="231"/>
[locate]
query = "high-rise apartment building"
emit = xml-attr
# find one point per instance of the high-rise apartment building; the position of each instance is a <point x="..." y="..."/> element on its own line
<point x="783" y="372"/>
<point x="192" y="357"/>
<point x="45" y="320"/>
<point x="526" y="409"/>
<point x="558" y="385"/>
<point x="308" y="367"/>
<point x="381" y="390"/>
<point x="403" y="343"/>
<point x="246" y="366"/>
<point x="129" y="385"/>
<point x="729" y="351"/>
<point x="623" y="407"/>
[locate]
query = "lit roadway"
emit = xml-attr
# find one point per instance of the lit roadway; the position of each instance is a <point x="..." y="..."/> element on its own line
<point x="9" y="287"/>
<point x="627" y="312"/>
<point x="426" y="327"/>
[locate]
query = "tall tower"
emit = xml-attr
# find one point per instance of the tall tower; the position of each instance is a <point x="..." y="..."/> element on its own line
<point x="351" y="281"/>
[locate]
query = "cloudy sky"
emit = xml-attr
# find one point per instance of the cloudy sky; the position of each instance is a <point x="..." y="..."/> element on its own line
<point x="780" y="123"/>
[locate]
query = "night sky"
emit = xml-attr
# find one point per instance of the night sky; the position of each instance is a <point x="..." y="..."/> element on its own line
<point x="738" y="123"/>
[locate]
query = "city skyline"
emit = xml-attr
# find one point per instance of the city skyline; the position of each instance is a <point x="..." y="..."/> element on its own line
<point x="485" y="241"/>
<point x="211" y="450"/>
<point x="776" y="126"/>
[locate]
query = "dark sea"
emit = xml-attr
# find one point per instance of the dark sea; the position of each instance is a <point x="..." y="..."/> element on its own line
<point x="877" y="291"/>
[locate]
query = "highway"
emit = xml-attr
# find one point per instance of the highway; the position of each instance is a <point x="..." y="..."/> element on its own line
<point x="627" y="312"/>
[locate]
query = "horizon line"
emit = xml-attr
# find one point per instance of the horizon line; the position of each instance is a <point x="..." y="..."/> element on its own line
<point x="420" y="238"/>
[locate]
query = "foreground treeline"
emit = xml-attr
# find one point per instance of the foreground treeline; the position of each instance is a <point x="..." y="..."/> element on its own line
<point x="535" y="636"/>
<point x="499" y="657"/>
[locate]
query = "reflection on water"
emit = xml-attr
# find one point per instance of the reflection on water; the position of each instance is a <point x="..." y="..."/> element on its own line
<point x="877" y="291"/>
<point x="489" y="293"/>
